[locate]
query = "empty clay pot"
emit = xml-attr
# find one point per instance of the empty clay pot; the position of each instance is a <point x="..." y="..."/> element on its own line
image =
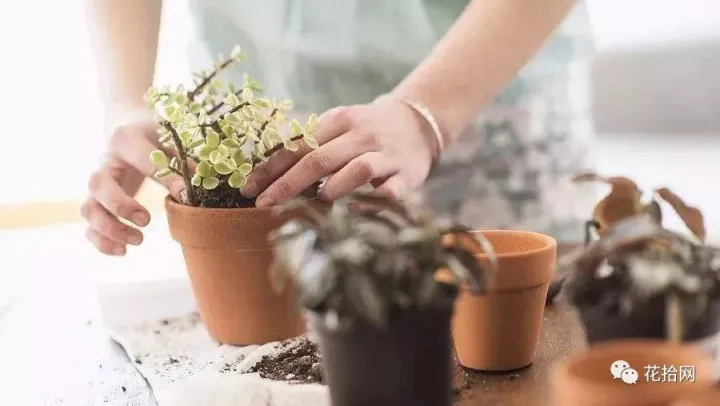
<point x="604" y="374"/>
<point x="499" y="331"/>
<point x="228" y="255"/>
<point x="707" y="397"/>
<point x="406" y="364"/>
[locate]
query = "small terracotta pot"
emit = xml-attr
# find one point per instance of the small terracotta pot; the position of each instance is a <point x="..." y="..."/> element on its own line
<point x="499" y="331"/>
<point x="227" y="255"/>
<point x="707" y="397"/>
<point x="407" y="364"/>
<point x="597" y="377"/>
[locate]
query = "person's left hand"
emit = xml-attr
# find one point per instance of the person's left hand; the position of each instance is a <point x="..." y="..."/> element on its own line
<point x="386" y="143"/>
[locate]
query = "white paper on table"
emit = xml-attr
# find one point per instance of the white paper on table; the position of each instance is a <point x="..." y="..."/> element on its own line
<point x="156" y="323"/>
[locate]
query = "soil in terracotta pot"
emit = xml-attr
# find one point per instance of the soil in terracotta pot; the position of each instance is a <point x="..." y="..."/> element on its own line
<point x="222" y="196"/>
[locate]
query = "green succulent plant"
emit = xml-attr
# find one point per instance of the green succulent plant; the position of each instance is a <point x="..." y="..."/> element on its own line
<point x="355" y="263"/>
<point x="224" y="131"/>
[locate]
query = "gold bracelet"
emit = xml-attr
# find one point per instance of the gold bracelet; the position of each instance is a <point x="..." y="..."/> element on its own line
<point x="427" y="115"/>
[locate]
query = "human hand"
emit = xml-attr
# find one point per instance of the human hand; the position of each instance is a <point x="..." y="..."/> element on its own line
<point x="386" y="144"/>
<point x="113" y="187"/>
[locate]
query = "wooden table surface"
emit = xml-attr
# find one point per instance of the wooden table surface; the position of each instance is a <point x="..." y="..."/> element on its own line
<point x="56" y="352"/>
<point x="561" y="335"/>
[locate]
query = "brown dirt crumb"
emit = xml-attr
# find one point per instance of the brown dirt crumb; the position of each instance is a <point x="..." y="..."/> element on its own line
<point x="460" y="378"/>
<point x="298" y="361"/>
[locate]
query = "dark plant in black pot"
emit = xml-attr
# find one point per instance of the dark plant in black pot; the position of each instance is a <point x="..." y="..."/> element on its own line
<point x="372" y="278"/>
<point x="625" y="201"/>
<point x="640" y="280"/>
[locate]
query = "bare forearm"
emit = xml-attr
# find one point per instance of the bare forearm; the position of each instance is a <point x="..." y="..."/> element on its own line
<point x="480" y="54"/>
<point x="125" y="37"/>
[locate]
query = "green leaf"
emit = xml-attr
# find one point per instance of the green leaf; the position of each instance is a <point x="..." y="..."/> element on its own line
<point x="175" y="116"/>
<point x="195" y="107"/>
<point x="204" y="152"/>
<point x="239" y="156"/>
<point x="212" y="172"/>
<point x="232" y="100"/>
<point x="215" y="157"/>
<point x="223" y="168"/>
<point x="159" y="159"/>
<point x="230" y="143"/>
<point x="284" y="105"/>
<point x="248" y="112"/>
<point x="165" y="137"/>
<point x="212" y="140"/>
<point x="163" y="173"/>
<point x="223" y="150"/>
<point x="195" y="143"/>
<point x="268" y="143"/>
<point x="310" y="141"/>
<point x="231" y="164"/>
<point x="295" y="128"/>
<point x="196" y="180"/>
<point x="228" y="130"/>
<point x="237" y="180"/>
<point x="273" y="135"/>
<point x="243" y="127"/>
<point x="174" y="162"/>
<point x="247" y="95"/>
<point x="261" y="103"/>
<point x="210" y="183"/>
<point x="203" y="169"/>
<point x="290" y="145"/>
<point x="216" y="84"/>
<point x="245" y="168"/>
<point x="252" y="134"/>
<point x="279" y="117"/>
<point x="313" y="123"/>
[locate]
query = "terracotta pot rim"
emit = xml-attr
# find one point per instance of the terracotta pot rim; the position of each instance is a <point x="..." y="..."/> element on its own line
<point x="566" y="372"/>
<point x="179" y="207"/>
<point x="549" y="243"/>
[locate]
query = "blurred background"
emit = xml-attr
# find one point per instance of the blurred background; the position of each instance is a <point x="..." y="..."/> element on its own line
<point x="656" y="103"/>
<point x="657" y="97"/>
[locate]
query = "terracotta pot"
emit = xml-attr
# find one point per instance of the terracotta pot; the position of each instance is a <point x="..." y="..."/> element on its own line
<point x="407" y="364"/>
<point x="227" y="255"/>
<point x="499" y="331"/>
<point x="707" y="397"/>
<point x="589" y="378"/>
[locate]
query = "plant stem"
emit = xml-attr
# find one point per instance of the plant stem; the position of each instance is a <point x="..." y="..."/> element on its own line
<point x="219" y="105"/>
<point x="674" y="317"/>
<point x="275" y="149"/>
<point x="182" y="157"/>
<point x="191" y="94"/>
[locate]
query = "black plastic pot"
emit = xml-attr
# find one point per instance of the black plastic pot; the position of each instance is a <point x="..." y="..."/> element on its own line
<point x="407" y="364"/>
<point x="601" y="324"/>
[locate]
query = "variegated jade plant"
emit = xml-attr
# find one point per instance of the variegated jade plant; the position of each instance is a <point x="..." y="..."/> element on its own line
<point x="366" y="264"/>
<point x="219" y="133"/>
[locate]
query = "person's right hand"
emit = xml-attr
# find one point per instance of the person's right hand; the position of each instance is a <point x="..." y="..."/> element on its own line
<point x="114" y="185"/>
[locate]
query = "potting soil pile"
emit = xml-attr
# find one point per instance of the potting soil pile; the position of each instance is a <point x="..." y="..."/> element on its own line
<point x="184" y="366"/>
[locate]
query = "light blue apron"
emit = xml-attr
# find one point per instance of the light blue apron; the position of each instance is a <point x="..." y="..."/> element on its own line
<point x="511" y="167"/>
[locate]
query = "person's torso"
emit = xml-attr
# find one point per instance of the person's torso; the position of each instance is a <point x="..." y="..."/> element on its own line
<point x="322" y="53"/>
